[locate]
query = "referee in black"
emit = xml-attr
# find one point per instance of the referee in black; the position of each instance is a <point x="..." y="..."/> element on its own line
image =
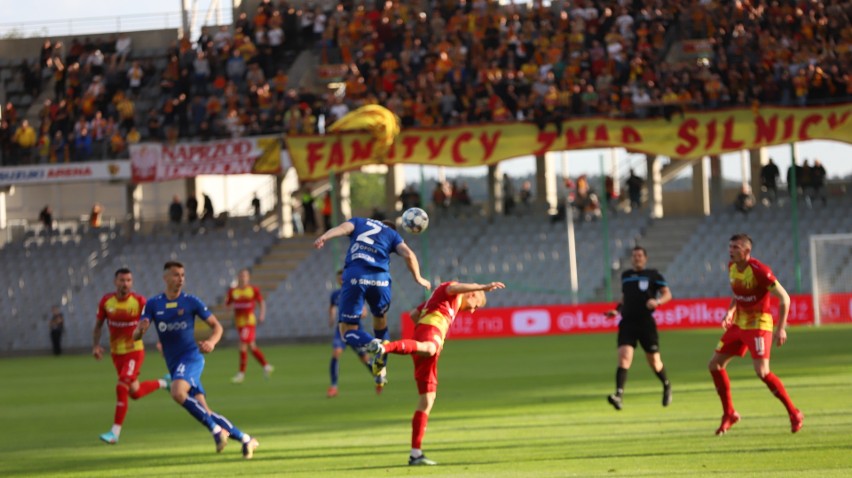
<point x="642" y="291"/>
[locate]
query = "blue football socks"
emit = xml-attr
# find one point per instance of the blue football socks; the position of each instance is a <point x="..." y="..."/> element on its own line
<point x="199" y="412"/>
<point x="227" y="425"/>
<point x="334" y="369"/>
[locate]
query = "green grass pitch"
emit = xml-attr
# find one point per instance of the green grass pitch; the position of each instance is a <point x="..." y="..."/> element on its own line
<point x="531" y="407"/>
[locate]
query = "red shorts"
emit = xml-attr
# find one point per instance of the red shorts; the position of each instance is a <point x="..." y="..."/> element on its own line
<point x="735" y="341"/>
<point x="426" y="368"/>
<point x="247" y="333"/>
<point x="128" y="365"/>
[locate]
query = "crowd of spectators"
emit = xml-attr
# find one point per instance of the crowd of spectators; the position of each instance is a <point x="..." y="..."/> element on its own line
<point x="229" y="82"/>
<point x="484" y="62"/>
<point x="438" y="64"/>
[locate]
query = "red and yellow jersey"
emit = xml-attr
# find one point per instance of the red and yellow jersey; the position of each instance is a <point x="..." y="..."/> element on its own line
<point x="243" y="299"/>
<point x="121" y="316"/>
<point x="441" y="309"/>
<point x="751" y="288"/>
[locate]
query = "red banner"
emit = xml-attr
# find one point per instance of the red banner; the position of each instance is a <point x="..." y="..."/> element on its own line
<point x="163" y="162"/>
<point x="835" y="308"/>
<point x="592" y="318"/>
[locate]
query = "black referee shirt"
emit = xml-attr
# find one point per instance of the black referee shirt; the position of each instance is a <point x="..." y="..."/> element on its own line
<point x="638" y="287"/>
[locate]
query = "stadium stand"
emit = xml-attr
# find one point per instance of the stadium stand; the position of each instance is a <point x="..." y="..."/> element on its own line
<point x="43" y="270"/>
<point x="528" y="252"/>
<point x="454" y="63"/>
<point x="75" y="270"/>
<point x="698" y="266"/>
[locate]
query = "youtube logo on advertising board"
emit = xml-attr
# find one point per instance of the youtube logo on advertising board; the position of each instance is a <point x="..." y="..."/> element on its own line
<point x="495" y="322"/>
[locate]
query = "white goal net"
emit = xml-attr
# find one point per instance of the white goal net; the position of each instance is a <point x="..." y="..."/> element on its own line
<point x="831" y="277"/>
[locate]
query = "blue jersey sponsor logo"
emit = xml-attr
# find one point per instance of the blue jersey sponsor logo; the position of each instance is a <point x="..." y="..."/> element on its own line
<point x="175" y="324"/>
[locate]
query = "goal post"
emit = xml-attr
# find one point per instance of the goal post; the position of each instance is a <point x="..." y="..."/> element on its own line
<point x="831" y="277"/>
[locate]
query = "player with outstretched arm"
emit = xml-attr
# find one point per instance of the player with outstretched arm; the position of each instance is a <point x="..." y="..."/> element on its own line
<point x="366" y="277"/>
<point x="433" y="319"/>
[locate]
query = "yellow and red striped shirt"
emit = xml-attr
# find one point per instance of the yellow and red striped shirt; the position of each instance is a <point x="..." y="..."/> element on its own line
<point x="751" y="288"/>
<point x="441" y="309"/>
<point x="243" y="299"/>
<point x="122" y="316"/>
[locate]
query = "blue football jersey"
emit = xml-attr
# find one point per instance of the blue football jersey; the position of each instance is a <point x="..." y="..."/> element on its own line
<point x="370" y="245"/>
<point x="175" y="323"/>
<point x="334" y="298"/>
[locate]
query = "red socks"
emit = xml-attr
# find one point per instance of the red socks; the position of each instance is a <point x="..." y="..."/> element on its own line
<point x="243" y="360"/>
<point x="145" y="388"/>
<point x="121" y="393"/>
<point x="777" y="389"/>
<point x="418" y="428"/>
<point x="723" y="388"/>
<point x="402" y="347"/>
<point x="257" y="355"/>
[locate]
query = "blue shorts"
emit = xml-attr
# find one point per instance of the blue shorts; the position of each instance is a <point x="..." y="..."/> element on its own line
<point x="338" y="343"/>
<point x="189" y="367"/>
<point x="357" y="287"/>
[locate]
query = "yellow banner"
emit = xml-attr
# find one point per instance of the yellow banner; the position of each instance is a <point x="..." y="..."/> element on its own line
<point x="696" y="134"/>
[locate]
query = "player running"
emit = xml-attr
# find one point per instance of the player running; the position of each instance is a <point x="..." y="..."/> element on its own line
<point x="173" y="315"/>
<point x="121" y="310"/>
<point x="366" y="276"/>
<point x="748" y="325"/>
<point x="337" y="343"/>
<point x="243" y="299"/>
<point x="432" y="318"/>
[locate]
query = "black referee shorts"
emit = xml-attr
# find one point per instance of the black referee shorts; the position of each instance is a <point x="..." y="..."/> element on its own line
<point x="642" y="330"/>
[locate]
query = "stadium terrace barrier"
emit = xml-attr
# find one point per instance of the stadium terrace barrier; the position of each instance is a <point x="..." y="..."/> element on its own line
<point x="592" y="318"/>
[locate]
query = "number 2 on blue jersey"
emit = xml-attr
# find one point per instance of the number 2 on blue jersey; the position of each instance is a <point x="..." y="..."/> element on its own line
<point x="365" y="236"/>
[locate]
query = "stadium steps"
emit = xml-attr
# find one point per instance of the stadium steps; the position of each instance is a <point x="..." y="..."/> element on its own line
<point x="33" y="113"/>
<point x="663" y="239"/>
<point x="301" y="73"/>
<point x="273" y="268"/>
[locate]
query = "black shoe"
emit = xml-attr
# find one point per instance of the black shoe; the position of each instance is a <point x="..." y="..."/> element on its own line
<point x="614" y="400"/>
<point x="667" y="395"/>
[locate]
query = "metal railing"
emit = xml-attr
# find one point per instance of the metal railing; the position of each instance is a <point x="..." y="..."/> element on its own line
<point x="107" y="24"/>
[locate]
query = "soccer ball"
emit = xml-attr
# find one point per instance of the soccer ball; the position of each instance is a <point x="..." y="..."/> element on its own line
<point x="415" y="220"/>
